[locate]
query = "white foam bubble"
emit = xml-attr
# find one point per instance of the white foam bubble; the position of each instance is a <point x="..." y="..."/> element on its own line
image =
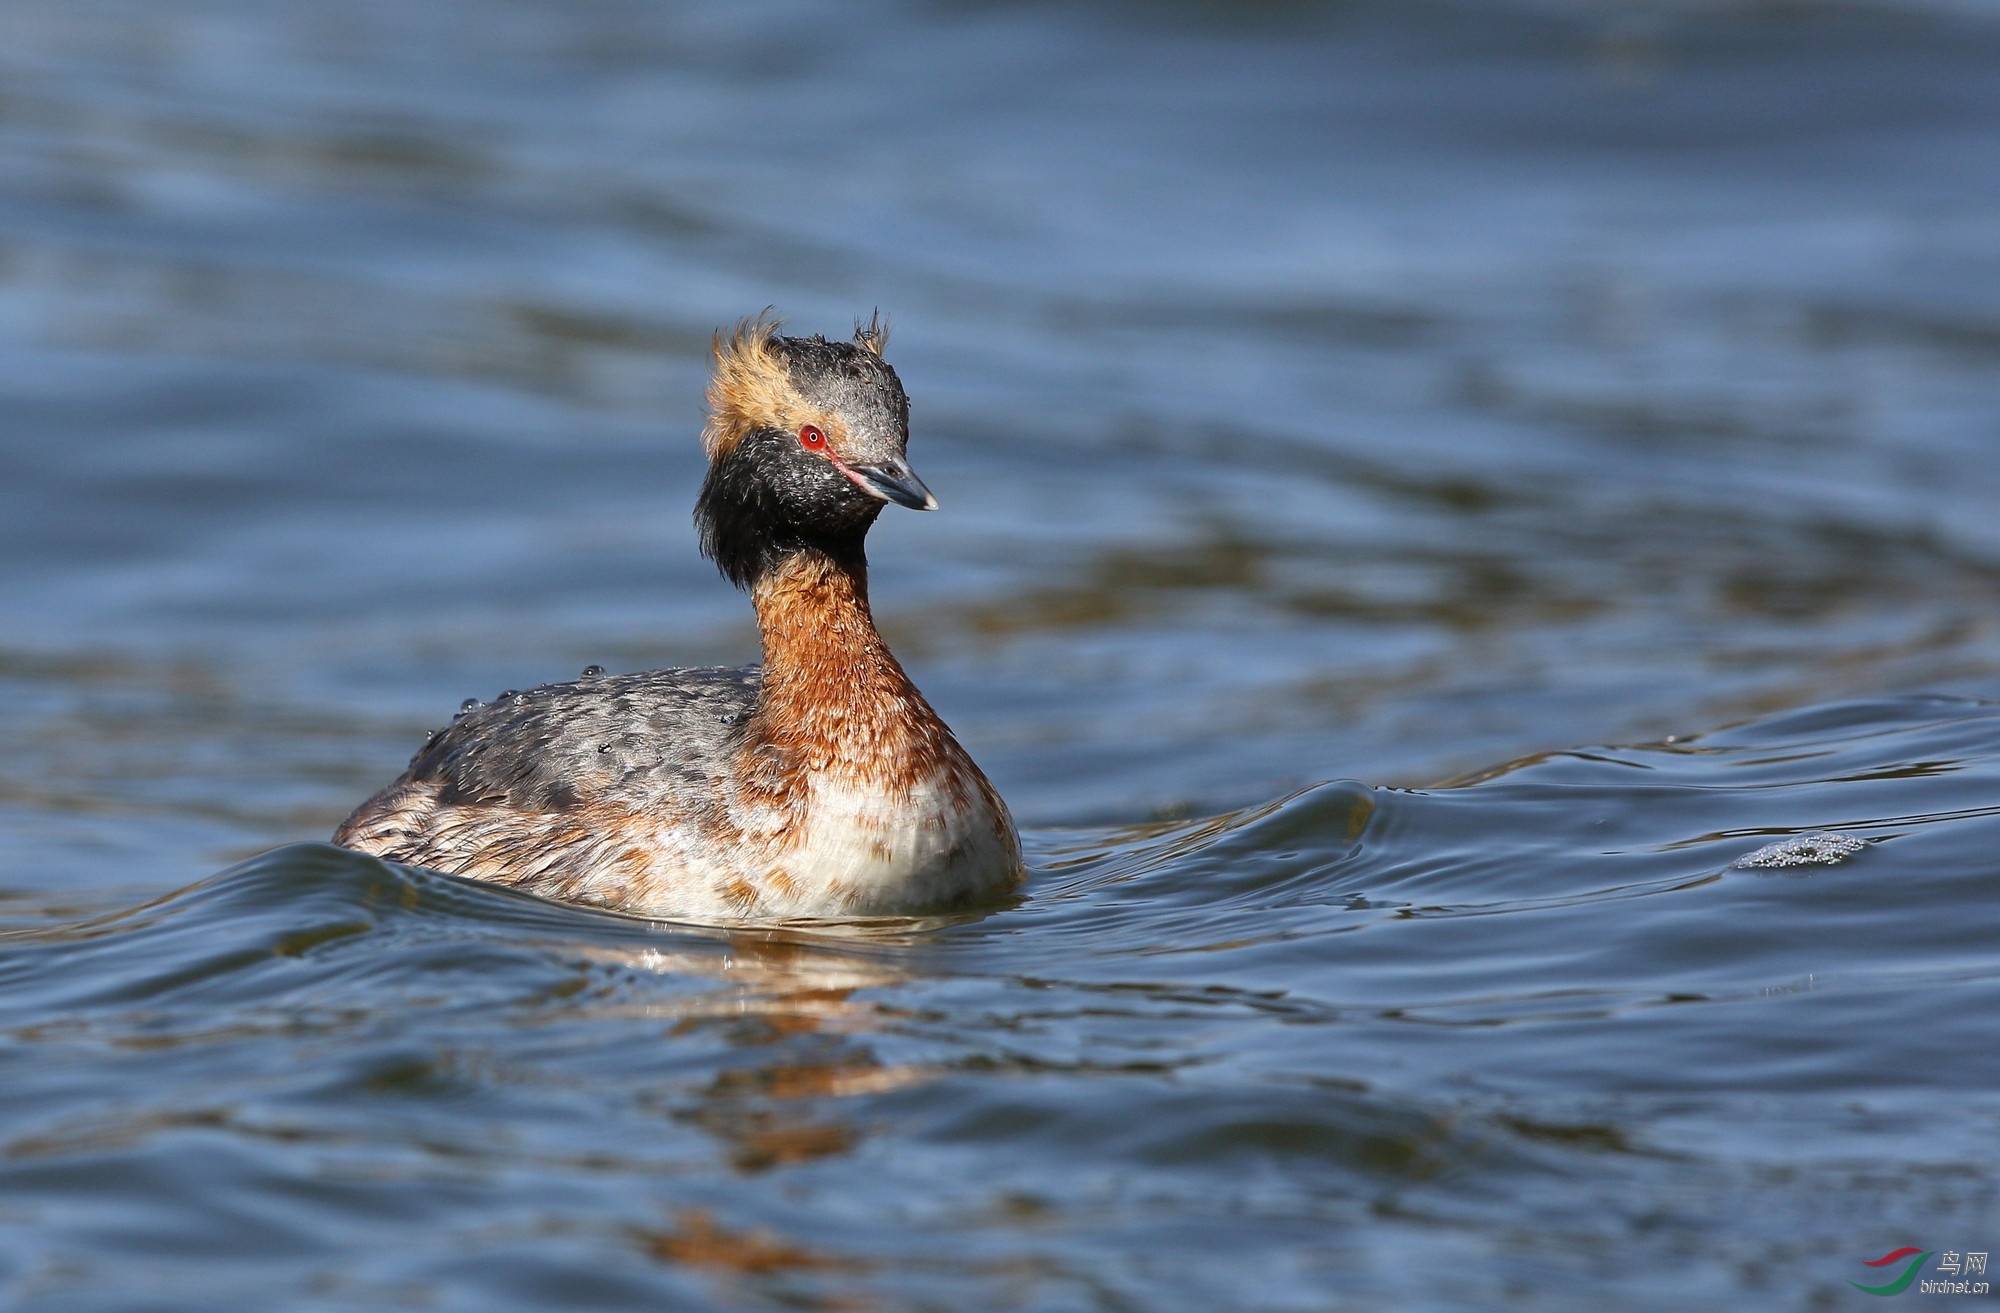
<point x="1821" y="849"/>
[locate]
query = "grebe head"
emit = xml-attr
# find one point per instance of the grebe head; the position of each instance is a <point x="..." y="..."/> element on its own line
<point x="806" y="441"/>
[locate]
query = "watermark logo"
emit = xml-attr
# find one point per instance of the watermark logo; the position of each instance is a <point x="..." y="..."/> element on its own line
<point x="1955" y="1269"/>
<point x="1901" y="1283"/>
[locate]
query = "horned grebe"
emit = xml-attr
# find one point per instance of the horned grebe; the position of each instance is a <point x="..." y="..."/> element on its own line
<point x="820" y="785"/>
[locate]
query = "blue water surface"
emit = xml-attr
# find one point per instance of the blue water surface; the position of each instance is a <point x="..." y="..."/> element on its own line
<point x="1401" y="394"/>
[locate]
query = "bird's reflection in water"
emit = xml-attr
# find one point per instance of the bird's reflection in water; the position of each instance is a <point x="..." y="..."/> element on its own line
<point x="787" y="1017"/>
<point x="698" y="1240"/>
<point x="794" y="1010"/>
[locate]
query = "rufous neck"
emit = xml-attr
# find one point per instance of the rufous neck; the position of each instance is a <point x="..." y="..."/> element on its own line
<point x="812" y="611"/>
<point x="833" y="698"/>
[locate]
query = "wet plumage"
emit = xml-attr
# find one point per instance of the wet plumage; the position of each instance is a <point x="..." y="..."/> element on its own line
<point x="821" y="784"/>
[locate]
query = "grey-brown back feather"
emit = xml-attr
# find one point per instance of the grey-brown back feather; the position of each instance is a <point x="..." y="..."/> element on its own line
<point x="660" y="741"/>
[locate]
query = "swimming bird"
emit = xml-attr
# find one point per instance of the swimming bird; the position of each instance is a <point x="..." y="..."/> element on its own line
<point x="820" y="784"/>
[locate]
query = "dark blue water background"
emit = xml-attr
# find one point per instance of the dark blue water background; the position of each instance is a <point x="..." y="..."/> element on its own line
<point x="1401" y="392"/>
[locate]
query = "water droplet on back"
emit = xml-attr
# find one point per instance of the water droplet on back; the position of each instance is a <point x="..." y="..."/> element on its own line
<point x="591" y="672"/>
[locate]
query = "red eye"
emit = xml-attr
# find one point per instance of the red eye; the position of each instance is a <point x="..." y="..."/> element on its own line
<point x="811" y="437"/>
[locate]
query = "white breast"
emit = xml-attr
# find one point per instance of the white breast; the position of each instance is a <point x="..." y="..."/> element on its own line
<point x="864" y="851"/>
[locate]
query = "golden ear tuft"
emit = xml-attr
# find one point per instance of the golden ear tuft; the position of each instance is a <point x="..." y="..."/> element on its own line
<point x="872" y="336"/>
<point x="750" y="386"/>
